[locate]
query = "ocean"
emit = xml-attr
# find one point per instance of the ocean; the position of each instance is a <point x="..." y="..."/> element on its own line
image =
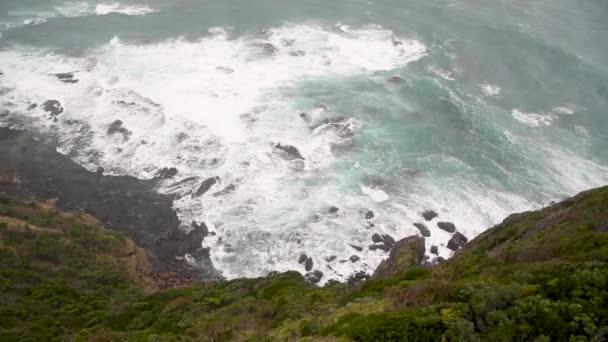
<point x="306" y="127"/>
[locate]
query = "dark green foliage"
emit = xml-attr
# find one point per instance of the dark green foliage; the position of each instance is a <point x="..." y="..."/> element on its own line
<point x="539" y="276"/>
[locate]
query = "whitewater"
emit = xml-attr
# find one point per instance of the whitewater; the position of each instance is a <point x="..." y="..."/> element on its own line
<point x="306" y="128"/>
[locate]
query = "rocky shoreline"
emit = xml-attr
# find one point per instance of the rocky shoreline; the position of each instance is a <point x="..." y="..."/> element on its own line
<point x="32" y="169"/>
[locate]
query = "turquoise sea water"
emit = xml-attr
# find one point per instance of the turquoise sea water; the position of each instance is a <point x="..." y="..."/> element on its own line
<point x="475" y="109"/>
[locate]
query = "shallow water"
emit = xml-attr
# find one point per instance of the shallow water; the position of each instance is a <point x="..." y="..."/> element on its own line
<point x="475" y="109"/>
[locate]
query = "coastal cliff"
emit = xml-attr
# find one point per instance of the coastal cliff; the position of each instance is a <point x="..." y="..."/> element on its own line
<point x="539" y="275"/>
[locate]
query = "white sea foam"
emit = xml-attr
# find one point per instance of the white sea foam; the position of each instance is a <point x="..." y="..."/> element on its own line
<point x="217" y="107"/>
<point x="490" y="89"/>
<point x="532" y="119"/>
<point x="103" y="9"/>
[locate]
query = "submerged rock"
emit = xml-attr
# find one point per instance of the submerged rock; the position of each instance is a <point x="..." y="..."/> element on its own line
<point x="117" y="128"/>
<point x="423" y="229"/>
<point x="205" y="186"/>
<point x="429" y="215"/>
<point x="297" y="53"/>
<point x="457" y="241"/>
<point x="290" y="151"/>
<point x="53" y="107"/>
<point x="447" y="226"/>
<point x="309" y="264"/>
<point x="395" y="79"/>
<point x="357" y="248"/>
<point x="267" y="48"/>
<point x="166" y="172"/>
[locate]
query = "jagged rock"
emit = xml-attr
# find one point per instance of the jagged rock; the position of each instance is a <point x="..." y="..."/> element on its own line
<point x="447" y="226"/>
<point x="331" y="258"/>
<point x="291" y="151"/>
<point x="435" y="250"/>
<point x="406" y="254"/>
<point x="302" y="259"/>
<point x="457" y="241"/>
<point x="429" y="215"/>
<point x="358" y="277"/>
<point x="423" y="229"/>
<point x="205" y="186"/>
<point x="166" y="172"/>
<point x="354" y="258"/>
<point x="314" y="277"/>
<point x="309" y="264"/>
<point x="388" y="240"/>
<point x="117" y="128"/>
<point x="53" y="106"/>
<point x="230" y="188"/>
<point x="191" y="242"/>
<point x="369" y="215"/>
<point x="357" y="248"/>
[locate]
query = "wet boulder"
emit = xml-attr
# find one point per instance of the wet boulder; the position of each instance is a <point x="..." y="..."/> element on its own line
<point x="381" y="247"/>
<point x="314" y="277"/>
<point x="53" y="107"/>
<point x="369" y="215"/>
<point x="424" y="231"/>
<point x="354" y="258"/>
<point x="447" y="226"/>
<point x="429" y="215"/>
<point x="302" y="259"/>
<point x="331" y="258"/>
<point x="66" y="77"/>
<point x="435" y="250"/>
<point x="333" y="210"/>
<point x="457" y="241"/>
<point x="377" y="238"/>
<point x="290" y="151"/>
<point x="205" y="186"/>
<point x="357" y="248"/>
<point x="308" y="265"/>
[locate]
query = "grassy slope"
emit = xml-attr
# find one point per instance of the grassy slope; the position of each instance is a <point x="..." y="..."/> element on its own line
<point x="538" y="276"/>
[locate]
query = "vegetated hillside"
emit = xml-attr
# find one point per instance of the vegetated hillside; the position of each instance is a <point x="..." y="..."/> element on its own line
<point x="538" y="276"/>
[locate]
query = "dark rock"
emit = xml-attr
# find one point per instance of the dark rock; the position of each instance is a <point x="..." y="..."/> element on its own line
<point x="388" y="240"/>
<point x="100" y="171"/>
<point x="225" y="191"/>
<point x="267" y="48"/>
<point x="166" y="173"/>
<point x="406" y="254"/>
<point x="447" y="226"/>
<point x="226" y="70"/>
<point x="423" y="229"/>
<point x="369" y="215"/>
<point x="69" y="81"/>
<point x="117" y="128"/>
<point x="333" y="210"/>
<point x="64" y="76"/>
<point x="205" y="186"/>
<point x="357" y="248"/>
<point x="395" y="79"/>
<point x="297" y="53"/>
<point x="354" y="258"/>
<point x="429" y="215"/>
<point x="379" y="246"/>
<point x="32" y="106"/>
<point x="309" y="264"/>
<point x="53" y="106"/>
<point x="314" y="277"/>
<point x="377" y="238"/>
<point x="435" y="250"/>
<point x="291" y="151"/>
<point x="439" y="260"/>
<point x="330" y="258"/>
<point x="302" y="259"/>
<point x="457" y="241"/>
<point x="357" y="278"/>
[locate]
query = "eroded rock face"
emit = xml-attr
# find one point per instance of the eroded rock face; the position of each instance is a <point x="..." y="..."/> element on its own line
<point x="406" y="254"/>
